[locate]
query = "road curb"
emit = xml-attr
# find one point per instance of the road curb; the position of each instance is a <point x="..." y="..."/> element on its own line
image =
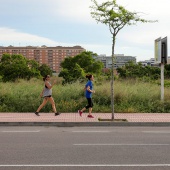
<point x="75" y="124"/>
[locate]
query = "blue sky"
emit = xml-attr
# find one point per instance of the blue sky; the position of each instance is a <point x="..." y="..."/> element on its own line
<point x="69" y="23"/>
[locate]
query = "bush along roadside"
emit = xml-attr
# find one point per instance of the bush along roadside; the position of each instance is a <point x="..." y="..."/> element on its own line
<point x="130" y="96"/>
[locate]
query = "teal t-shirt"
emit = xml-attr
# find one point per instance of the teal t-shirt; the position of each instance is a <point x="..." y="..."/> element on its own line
<point x="87" y="93"/>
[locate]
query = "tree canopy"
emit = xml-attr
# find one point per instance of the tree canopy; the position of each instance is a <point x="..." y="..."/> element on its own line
<point x="45" y="70"/>
<point x="133" y="70"/>
<point x="75" y="68"/>
<point x="13" y="67"/>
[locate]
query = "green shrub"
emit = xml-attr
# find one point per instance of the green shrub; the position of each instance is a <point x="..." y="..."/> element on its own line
<point x="130" y="96"/>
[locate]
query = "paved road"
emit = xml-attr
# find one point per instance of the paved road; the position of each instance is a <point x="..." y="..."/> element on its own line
<point x="89" y="148"/>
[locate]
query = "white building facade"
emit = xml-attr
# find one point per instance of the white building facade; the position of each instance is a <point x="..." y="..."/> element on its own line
<point x="120" y="60"/>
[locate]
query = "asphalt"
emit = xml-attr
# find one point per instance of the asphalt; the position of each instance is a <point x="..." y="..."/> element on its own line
<point x="74" y="119"/>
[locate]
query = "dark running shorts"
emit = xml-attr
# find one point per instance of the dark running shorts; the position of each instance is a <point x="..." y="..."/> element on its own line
<point x="47" y="96"/>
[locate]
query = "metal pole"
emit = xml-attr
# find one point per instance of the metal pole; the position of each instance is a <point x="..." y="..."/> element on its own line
<point x="112" y="79"/>
<point x="162" y="81"/>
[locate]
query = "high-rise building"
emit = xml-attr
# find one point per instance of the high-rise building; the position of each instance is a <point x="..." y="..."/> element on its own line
<point x="52" y="56"/>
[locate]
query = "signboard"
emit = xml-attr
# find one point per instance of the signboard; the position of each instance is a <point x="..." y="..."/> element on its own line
<point x="158" y="50"/>
<point x="161" y="50"/>
<point x="164" y="50"/>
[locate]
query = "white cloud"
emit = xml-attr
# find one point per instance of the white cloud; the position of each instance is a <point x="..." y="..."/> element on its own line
<point x="13" y="37"/>
<point x="72" y="10"/>
<point x="10" y="36"/>
<point x="78" y="10"/>
<point x="151" y="7"/>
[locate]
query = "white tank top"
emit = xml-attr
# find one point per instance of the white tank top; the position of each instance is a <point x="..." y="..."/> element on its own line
<point x="47" y="91"/>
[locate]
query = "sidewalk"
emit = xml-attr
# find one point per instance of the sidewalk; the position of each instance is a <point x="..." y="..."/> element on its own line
<point x="73" y="119"/>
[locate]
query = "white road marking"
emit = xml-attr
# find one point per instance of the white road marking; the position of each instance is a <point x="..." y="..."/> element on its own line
<point x="155" y="131"/>
<point x="91" y="131"/>
<point x="91" y="165"/>
<point x="107" y="144"/>
<point x="21" y="131"/>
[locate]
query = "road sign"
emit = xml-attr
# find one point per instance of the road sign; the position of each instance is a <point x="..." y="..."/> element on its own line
<point x="161" y="50"/>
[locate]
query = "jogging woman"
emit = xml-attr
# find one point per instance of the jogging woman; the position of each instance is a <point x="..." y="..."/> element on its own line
<point x="47" y="95"/>
<point x="88" y="93"/>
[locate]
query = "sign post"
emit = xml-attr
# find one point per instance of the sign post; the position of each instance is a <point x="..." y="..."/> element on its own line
<point x="162" y="81"/>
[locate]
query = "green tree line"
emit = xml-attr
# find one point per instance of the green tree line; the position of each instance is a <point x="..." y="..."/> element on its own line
<point x="137" y="70"/>
<point x="13" y="67"/>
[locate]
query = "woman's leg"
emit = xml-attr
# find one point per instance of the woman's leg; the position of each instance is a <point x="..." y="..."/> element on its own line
<point x="42" y="105"/>
<point x="82" y="110"/>
<point x="53" y="104"/>
<point x="90" y="110"/>
<point x="90" y="105"/>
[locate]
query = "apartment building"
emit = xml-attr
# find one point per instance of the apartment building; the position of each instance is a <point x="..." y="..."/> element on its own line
<point x="120" y="60"/>
<point x="52" y="56"/>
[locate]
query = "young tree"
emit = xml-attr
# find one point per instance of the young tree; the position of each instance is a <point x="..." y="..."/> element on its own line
<point x="116" y="17"/>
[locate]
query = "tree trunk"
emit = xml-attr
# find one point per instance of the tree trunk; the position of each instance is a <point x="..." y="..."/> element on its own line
<point x="112" y="78"/>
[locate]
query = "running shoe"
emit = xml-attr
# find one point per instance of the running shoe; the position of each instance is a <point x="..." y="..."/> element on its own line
<point x="37" y="113"/>
<point x="80" y="112"/>
<point x="90" y="116"/>
<point x="57" y="113"/>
